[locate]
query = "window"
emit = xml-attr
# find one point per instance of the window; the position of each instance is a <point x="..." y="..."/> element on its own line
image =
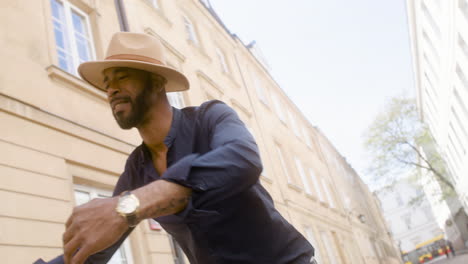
<point x="430" y="19"/>
<point x="311" y="238"/>
<point x="459" y="121"/>
<point x="463" y="46"/>
<point x="206" y="3"/>
<point x="283" y="164"/>
<point x="260" y="90"/>
<point x="222" y="60"/>
<point x="327" y="243"/>
<point x="463" y="5"/>
<point x="154" y="3"/>
<point x="432" y="48"/>
<point x="328" y="194"/>
<point x="461" y="76"/>
<point x="300" y="169"/>
<point x="370" y="246"/>
<point x="317" y="187"/>
<point x="461" y="105"/>
<point x="176" y="99"/>
<point x="407" y="220"/>
<point x="294" y="124"/>
<point x="178" y="254"/>
<point x="191" y="35"/>
<point x="72" y="35"/>
<point x="427" y="212"/>
<point x="306" y="136"/>
<point x="84" y="194"/>
<point x="399" y="199"/>
<point x="278" y="109"/>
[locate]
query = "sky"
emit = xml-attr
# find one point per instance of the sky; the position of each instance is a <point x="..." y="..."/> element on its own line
<point x="337" y="60"/>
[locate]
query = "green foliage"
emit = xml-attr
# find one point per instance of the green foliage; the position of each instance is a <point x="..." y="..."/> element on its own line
<point x="400" y="144"/>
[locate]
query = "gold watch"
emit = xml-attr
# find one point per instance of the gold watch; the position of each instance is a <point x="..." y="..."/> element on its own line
<point x="128" y="207"/>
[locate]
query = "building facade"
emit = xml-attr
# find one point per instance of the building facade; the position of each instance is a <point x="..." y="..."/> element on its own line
<point x="61" y="147"/>
<point x="409" y="224"/>
<point x="439" y="37"/>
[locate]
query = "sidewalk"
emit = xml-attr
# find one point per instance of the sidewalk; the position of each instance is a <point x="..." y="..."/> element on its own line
<point x="459" y="259"/>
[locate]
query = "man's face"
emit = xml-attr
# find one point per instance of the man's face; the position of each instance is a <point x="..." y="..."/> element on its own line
<point x="129" y="93"/>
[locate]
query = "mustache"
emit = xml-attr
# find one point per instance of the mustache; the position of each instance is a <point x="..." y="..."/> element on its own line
<point x="120" y="98"/>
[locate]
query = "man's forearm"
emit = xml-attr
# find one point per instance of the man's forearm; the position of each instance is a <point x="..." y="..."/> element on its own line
<point x="161" y="198"/>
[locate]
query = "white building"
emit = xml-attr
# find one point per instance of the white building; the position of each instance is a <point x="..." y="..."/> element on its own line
<point x="409" y="224"/>
<point x="444" y="208"/>
<point x="439" y="42"/>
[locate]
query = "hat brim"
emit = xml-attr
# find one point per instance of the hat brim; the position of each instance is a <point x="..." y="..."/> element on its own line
<point x="92" y="72"/>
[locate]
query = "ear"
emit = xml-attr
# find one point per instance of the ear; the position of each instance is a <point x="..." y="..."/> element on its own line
<point x="159" y="82"/>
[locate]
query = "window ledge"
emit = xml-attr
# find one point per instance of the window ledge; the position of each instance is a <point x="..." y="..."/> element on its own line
<point x="241" y="106"/>
<point x="55" y="73"/>
<point x="324" y="204"/>
<point x="283" y="122"/>
<point x="264" y="103"/>
<point x="295" y="187"/>
<point x="310" y="196"/>
<point x="210" y="81"/>
<point x="267" y="179"/>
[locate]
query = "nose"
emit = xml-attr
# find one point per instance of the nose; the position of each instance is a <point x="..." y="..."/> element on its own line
<point x="113" y="89"/>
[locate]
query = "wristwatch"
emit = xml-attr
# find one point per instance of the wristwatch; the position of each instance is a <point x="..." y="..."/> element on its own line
<point x="128" y="207"/>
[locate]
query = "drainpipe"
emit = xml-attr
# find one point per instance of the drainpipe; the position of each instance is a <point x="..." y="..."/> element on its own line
<point x="121" y="15"/>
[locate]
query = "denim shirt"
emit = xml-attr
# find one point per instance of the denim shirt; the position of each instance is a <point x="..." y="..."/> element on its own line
<point x="230" y="217"/>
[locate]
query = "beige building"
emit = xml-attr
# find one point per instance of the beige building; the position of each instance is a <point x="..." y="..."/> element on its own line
<point x="60" y="146"/>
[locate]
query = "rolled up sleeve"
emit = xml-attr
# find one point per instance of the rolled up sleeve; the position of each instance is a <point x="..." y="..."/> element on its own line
<point x="232" y="163"/>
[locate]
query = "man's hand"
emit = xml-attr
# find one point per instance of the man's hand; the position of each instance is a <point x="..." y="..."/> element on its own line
<point x="92" y="227"/>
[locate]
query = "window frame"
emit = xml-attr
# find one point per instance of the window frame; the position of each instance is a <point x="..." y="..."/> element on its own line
<point x="283" y="164"/>
<point x="223" y="60"/>
<point x="154" y="3"/>
<point x="95" y="193"/>
<point x="176" y="99"/>
<point x="306" y="136"/>
<point x="300" y="170"/>
<point x="68" y="9"/>
<point x="328" y="194"/>
<point x="315" y="182"/>
<point x="311" y="237"/>
<point x="294" y="124"/>
<point x="260" y="90"/>
<point x="277" y="105"/>
<point x="191" y="31"/>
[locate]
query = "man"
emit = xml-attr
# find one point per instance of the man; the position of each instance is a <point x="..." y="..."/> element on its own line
<point x="196" y="172"/>
<point x="452" y="250"/>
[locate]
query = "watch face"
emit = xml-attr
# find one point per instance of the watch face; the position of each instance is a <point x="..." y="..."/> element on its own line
<point x="127" y="204"/>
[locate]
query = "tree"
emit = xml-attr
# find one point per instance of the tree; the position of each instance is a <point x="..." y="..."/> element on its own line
<point x="400" y="143"/>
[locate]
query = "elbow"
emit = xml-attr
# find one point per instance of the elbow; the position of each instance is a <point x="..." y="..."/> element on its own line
<point x="253" y="163"/>
<point x="257" y="166"/>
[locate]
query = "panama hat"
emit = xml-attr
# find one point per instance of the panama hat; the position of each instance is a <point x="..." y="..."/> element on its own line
<point x="137" y="51"/>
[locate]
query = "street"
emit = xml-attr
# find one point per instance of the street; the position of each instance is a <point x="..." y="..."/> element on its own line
<point x="459" y="259"/>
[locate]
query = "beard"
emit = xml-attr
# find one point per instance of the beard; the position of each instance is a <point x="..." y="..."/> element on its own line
<point x="138" y="110"/>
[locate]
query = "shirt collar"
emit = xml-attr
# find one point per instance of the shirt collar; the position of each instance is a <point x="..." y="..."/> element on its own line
<point x="176" y="116"/>
<point x="170" y="137"/>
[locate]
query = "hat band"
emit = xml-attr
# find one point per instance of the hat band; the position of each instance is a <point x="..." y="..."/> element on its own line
<point x="134" y="57"/>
